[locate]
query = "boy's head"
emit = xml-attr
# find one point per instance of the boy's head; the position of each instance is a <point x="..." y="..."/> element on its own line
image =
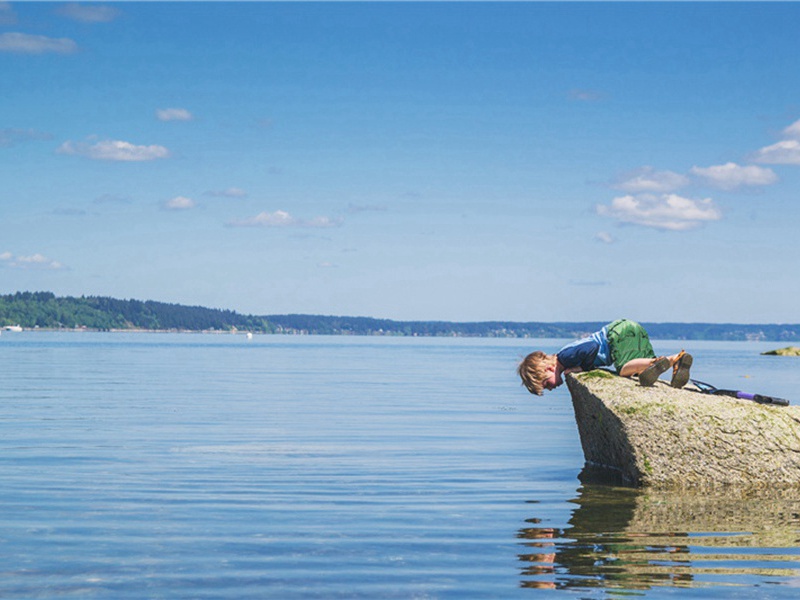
<point x="533" y="370"/>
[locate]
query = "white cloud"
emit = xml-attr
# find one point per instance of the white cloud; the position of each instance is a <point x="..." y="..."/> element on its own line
<point x="605" y="237"/>
<point x="665" y="211"/>
<point x="34" y="261"/>
<point x="786" y="152"/>
<point x="114" y="150"/>
<point x="180" y="203"/>
<point x="281" y="218"/>
<point x="731" y="176"/>
<point x="25" y="43"/>
<point x="173" y="114"/>
<point x="231" y="192"/>
<point x="793" y="130"/>
<point x="85" y="13"/>
<point x="648" y="180"/>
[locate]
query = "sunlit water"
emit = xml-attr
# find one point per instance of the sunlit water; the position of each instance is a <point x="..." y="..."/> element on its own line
<point x="203" y="466"/>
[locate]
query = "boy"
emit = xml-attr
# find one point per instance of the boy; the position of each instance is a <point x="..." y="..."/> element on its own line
<point x="624" y="344"/>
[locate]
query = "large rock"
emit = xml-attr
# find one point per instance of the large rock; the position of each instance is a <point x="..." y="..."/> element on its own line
<point x="665" y="437"/>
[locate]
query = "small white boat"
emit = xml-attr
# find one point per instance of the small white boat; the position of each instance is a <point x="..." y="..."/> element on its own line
<point x="13" y="328"/>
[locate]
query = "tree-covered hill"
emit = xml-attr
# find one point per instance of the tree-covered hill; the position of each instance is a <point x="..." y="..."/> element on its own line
<point x="677" y="331"/>
<point x="45" y="310"/>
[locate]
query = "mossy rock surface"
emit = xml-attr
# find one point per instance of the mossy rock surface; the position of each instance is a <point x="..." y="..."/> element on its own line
<point x="665" y="437"/>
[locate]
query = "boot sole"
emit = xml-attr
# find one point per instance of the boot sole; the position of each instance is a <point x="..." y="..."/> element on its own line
<point x="651" y="374"/>
<point x="681" y="375"/>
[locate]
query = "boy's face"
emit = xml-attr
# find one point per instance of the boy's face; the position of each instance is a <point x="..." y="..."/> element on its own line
<point x="550" y="382"/>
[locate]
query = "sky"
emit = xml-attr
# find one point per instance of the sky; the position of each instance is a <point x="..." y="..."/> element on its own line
<point x="413" y="161"/>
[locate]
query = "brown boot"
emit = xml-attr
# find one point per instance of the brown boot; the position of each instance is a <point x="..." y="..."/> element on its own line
<point x="680" y="371"/>
<point x="651" y="374"/>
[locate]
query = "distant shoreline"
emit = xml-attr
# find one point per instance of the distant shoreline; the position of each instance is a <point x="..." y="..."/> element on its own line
<point x="46" y="312"/>
<point x="287" y="333"/>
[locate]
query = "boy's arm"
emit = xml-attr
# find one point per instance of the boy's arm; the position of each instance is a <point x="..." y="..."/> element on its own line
<point x="575" y="355"/>
<point x="560" y="370"/>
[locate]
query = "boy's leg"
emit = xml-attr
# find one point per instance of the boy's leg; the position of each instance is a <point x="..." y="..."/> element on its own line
<point x="654" y="367"/>
<point x="635" y="366"/>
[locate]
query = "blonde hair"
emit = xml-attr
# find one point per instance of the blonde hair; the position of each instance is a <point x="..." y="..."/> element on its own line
<point x="533" y="370"/>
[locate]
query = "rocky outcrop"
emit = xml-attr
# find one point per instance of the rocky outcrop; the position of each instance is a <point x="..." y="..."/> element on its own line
<point x="788" y="351"/>
<point x="666" y="437"/>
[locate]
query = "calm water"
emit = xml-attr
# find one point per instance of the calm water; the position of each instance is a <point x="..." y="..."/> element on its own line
<point x="201" y="466"/>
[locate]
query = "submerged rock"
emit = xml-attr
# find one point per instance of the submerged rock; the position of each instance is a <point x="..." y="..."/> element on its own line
<point x="788" y="351"/>
<point x="666" y="437"/>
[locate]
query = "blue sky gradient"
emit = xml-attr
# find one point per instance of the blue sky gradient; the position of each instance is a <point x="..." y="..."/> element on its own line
<point x="455" y="161"/>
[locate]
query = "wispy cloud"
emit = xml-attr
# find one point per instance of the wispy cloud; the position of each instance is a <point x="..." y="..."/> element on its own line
<point x="7" y="14"/>
<point x="89" y="13"/>
<point x="648" y="180"/>
<point x="25" y="43"/>
<point x="12" y="137"/>
<point x="731" y="176"/>
<point x="179" y="203"/>
<point x="114" y="150"/>
<point x="664" y="211"/>
<point x="784" y="152"/>
<point x="112" y="199"/>
<point x="34" y="261"/>
<point x="173" y="114"/>
<point x="793" y="130"/>
<point x="69" y="212"/>
<point x="231" y="192"/>
<point x="605" y="237"/>
<point x="586" y="95"/>
<point x="281" y="218"/>
<point x="360" y="208"/>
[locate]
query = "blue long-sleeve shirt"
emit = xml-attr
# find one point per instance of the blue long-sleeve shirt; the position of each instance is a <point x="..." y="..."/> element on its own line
<point x="587" y="353"/>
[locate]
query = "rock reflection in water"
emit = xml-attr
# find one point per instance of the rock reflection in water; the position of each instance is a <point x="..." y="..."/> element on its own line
<point x="634" y="539"/>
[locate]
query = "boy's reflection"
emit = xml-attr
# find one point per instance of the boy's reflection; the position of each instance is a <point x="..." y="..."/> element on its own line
<point x="597" y="550"/>
<point x="635" y="539"/>
<point x="542" y="563"/>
